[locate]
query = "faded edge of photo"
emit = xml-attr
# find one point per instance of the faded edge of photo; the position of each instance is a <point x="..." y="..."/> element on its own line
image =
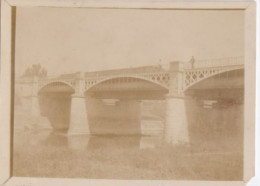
<point x="248" y="128"/>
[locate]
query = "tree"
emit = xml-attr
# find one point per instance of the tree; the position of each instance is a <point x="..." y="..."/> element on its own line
<point x="36" y="70"/>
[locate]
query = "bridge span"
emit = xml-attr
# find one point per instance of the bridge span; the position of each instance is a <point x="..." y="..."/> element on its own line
<point x="172" y="83"/>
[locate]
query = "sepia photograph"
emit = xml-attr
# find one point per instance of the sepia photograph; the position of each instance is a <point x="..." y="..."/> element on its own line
<point x="129" y="93"/>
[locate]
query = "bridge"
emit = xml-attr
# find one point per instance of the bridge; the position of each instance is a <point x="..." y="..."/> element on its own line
<point x="170" y="82"/>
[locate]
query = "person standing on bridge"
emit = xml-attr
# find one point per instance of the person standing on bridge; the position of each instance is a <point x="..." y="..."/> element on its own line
<point x="192" y="61"/>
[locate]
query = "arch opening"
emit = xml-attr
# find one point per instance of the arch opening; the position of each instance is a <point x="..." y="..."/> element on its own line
<point x="120" y="105"/>
<point x="58" y="86"/>
<point x="55" y="103"/>
<point x="225" y="85"/>
<point x="127" y="88"/>
<point x="215" y="112"/>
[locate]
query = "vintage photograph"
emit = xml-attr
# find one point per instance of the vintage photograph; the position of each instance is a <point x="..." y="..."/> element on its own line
<point x="129" y="94"/>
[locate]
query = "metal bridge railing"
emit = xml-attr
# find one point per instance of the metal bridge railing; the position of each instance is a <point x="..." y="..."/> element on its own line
<point x="211" y="63"/>
<point x="152" y="72"/>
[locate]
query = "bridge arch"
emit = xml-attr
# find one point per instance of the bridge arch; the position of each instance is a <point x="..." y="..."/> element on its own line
<point x="59" y="85"/>
<point x="204" y="74"/>
<point x="160" y="81"/>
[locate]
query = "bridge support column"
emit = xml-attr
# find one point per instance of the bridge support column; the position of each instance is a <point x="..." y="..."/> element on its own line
<point x="176" y="125"/>
<point x="78" y="116"/>
<point x="78" y="113"/>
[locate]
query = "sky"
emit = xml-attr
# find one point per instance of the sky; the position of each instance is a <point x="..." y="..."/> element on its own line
<point x="66" y="40"/>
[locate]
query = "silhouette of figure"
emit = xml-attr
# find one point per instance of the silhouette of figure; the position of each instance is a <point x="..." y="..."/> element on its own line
<point x="192" y="61"/>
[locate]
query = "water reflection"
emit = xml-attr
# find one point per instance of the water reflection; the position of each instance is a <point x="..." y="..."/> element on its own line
<point x="78" y="142"/>
<point x="90" y="142"/>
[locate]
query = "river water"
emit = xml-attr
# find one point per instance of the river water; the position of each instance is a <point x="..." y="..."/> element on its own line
<point x="215" y="150"/>
<point x="54" y="154"/>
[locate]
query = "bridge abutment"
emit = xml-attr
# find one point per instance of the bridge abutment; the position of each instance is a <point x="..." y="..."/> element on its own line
<point x="35" y="107"/>
<point x="37" y="119"/>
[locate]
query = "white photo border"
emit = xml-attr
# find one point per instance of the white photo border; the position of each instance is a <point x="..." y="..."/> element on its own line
<point x="7" y="87"/>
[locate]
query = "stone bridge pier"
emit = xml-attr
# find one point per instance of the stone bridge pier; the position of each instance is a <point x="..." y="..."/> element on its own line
<point x="78" y="114"/>
<point x="176" y="123"/>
